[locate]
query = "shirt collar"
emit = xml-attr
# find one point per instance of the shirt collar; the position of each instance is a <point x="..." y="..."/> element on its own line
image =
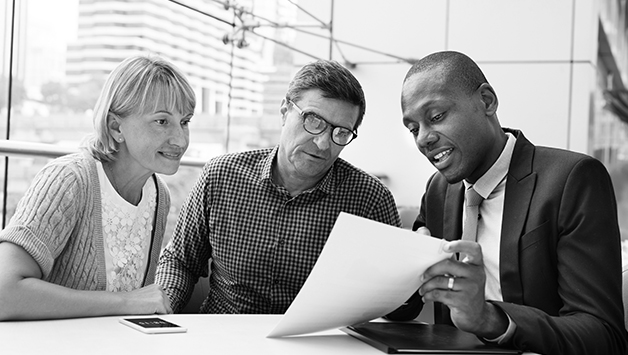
<point x="267" y="166"/>
<point x="496" y="174"/>
<point x="327" y="184"/>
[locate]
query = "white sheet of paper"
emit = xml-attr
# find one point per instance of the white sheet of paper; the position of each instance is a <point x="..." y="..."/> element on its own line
<point x="366" y="270"/>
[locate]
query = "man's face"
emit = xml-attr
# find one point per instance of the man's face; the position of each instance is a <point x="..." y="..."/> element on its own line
<point x="306" y="157"/>
<point x="450" y="127"/>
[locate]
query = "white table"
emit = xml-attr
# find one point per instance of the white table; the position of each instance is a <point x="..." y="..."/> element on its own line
<point x="207" y="334"/>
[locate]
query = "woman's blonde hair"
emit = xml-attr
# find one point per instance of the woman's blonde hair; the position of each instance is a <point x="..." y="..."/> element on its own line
<point x="137" y="86"/>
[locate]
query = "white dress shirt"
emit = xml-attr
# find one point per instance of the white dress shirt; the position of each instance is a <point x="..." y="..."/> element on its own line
<point x="492" y="187"/>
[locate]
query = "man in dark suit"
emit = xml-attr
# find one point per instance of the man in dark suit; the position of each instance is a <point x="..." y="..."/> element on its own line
<point x="539" y="267"/>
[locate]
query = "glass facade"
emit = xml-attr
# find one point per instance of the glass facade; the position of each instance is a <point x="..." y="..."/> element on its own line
<point x="609" y="126"/>
<point x="59" y="53"/>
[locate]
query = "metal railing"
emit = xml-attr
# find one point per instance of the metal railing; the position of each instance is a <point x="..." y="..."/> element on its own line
<point x="12" y="148"/>
<point x="29" y="149"/>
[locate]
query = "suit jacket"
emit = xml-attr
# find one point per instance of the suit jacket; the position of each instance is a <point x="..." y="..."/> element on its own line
<point x="560" y="256"/>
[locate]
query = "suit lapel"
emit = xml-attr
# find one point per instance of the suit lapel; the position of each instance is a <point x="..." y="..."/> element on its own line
<point x="519" y="189"/>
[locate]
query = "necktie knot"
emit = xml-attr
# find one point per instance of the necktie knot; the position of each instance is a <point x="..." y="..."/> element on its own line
<point x="473" y="197"/>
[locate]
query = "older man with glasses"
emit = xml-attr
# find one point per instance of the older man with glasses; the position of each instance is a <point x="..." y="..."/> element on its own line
<point x="258" y="220"/>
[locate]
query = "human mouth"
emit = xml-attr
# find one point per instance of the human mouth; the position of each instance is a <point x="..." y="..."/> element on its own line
<point x="442" y="155"/>
<point x="172" y="155"/>
<point x="315" y="156"/>
<point x="439" y="159"/>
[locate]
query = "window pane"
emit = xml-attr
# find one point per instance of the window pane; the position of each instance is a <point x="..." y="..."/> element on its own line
<point x="5" y="50"/>
<point x="65" y="49"/>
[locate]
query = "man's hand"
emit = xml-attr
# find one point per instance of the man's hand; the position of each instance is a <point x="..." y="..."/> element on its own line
<point x="460" y="286"/>
<point x="423" y="230"/>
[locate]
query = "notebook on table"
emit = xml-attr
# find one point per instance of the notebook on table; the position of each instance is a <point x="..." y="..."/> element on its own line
<point x="417" y="338"/>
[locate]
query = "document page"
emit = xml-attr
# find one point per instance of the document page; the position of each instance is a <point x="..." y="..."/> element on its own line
<point x="366" y="270"/>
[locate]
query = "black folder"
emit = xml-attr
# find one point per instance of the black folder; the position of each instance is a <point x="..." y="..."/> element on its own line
<point x="418" y="338"/>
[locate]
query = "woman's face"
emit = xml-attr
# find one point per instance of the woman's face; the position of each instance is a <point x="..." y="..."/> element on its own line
<point x="155" y="141"/>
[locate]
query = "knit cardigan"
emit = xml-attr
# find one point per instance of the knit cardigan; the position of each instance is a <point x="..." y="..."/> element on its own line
<point x="59" y="223"/>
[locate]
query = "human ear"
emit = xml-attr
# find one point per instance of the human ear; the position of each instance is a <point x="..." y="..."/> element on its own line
<point x="283" y="109"/>
<point x="489" y="99"/>
<point x="113" y="124"/>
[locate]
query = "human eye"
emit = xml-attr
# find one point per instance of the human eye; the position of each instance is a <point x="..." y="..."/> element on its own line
<point x="437" y="117"/>
<point x="161" y="118"/>
<point x="414" y="129"/>
<point x="343" y="133"/>
<point x="186" y="121"/>
<point x="314" y="121"/>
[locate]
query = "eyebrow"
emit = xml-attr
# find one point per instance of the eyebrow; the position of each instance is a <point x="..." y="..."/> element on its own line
<point x="426" y="106"/>
<point x="163" y="111"/>
<point x="407" y="121"/>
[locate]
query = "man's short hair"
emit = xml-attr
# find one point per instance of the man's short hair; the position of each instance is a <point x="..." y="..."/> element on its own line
<point x="333" y="80"/>
<point x="459" y="69"/>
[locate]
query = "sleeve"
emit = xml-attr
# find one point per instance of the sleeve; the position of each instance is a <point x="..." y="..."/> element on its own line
<point x="588" y="259"/>
<point x="384" y="208"/>
<point x="186" y="257"/>
<point x="46" y="215"/>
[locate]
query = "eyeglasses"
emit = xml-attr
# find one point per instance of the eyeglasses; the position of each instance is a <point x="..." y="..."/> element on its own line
<point x="315" y="124"/>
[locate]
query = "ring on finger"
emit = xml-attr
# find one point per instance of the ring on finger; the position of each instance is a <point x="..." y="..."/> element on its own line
<point x="450" y="283"/>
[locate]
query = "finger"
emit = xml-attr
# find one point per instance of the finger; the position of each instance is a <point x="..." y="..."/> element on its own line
<point x="471" y="252"/>
<point x="423" y="230"/>
<point x="443" y="267"/>
<point x="442" y="283"/>
<point x="441" y="293"/>
<point x="449" y="283"/>
<point x="451" y="299"/>
<point x="437" y="276"/>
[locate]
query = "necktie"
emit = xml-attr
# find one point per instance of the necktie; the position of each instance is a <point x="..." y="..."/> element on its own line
<point x="472" y="211"/>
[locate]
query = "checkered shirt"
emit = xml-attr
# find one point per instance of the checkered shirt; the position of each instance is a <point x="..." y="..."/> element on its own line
<point x="261" y="243"/>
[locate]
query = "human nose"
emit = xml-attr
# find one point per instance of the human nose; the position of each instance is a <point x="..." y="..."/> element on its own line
<point x="425" y="138"/>
<point x="179" y="136"/>
<point x="323" y="139"/>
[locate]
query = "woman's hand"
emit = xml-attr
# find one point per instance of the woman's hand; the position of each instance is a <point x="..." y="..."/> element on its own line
<point x="151" y="299"/>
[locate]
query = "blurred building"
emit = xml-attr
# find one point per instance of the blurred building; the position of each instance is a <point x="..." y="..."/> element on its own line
<point x="228" y="66"/>
<point x="112" y="30"/>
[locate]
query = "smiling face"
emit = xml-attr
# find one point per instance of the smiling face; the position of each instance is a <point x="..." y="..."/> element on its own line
<point x="304" y="158"/>
<point x="154" y="142"/>
<point x="457" y="131"/>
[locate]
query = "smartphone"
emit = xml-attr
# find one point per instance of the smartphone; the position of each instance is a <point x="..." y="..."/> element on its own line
<point x="152" y="325"/>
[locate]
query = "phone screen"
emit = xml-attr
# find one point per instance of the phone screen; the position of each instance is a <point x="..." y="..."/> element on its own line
<point x="152" y="325"/>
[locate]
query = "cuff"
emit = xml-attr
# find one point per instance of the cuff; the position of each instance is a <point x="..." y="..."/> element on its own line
<point x="507" y="335"/>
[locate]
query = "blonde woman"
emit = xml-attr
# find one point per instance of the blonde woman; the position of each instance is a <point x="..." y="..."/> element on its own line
<point x="86" y="236"/>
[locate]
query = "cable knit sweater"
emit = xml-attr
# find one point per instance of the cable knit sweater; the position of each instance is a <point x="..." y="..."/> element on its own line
<point x="59" y="223"/>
